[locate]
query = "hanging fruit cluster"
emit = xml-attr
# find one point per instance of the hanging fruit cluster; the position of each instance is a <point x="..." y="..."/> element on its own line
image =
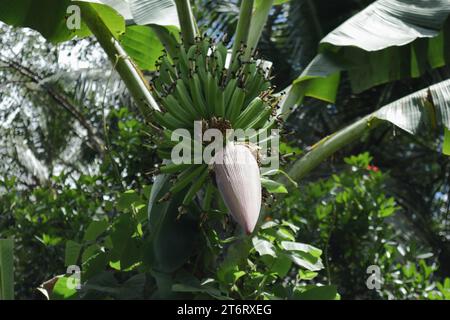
<point x="200" y="85"/>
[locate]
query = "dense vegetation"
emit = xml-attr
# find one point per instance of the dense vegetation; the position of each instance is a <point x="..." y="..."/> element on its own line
<point x="80" y="163"/>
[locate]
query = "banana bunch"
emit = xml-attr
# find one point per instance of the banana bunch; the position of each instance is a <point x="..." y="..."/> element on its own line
<point x="201" y="85"/>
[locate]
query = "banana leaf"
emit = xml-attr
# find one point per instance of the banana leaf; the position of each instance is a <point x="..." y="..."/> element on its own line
<point x="387" y="41"/>
<point x="49" y="17"/>
<point x="427" y="110"/>
<point x="6" y="269"/>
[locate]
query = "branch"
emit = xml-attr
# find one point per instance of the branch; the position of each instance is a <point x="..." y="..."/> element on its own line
<point x="259" y="19"/>
<point x="128" y="71"/>
<point x="61" y="99"/>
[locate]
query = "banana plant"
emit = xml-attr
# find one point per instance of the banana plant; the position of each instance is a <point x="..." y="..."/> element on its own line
<point x="6" y="269"/>
<point x="198" y="78"/>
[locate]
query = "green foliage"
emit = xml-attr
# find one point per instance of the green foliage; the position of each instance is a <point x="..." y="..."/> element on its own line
<point x="49" y="17"/>
<point x="411" y="276"/>
<point x="372" y="60"/>
<point x="341" y="215"/>
<point x="142" y="45"/>
<point x="6" y="269"/>
<point x="446" y="147"/>
<point x="59" y="224"/>
<point x="351" y="219"/>
<point x="131" y="245"/>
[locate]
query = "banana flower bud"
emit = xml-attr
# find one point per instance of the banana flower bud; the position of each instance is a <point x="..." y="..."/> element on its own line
<point x="238" y="179"/>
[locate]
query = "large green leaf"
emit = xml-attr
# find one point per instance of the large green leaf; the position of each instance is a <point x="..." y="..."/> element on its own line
<point x="72" y="253"/>
<point x="94" y="229"/>
<point x="45" y="16"/>
<point x="6" y="269"/>
<point x="105" y="285"/>
<point x="319" y="80"/>
<point x="423" y="111"/>
<point x="387" y="41"/>
<point x="172" y="237"/>
<point x="143" y="12"/>
<point x="427" y="108"/>
<point x="390" y="40"/>
<point x="143" y="43"/>
<point x="318" y="293"/>
<point x="49" y="17"/>
<point x="64" y="289"/>
<point x="446" y="148"/>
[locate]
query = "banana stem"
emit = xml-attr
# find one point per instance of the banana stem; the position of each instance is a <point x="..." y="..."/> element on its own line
<point x="187" y="23"/>
<point x="243" y="27"/>
<point x="329" y="145"/>
<point x="6" y="269"/>
<point x="129" y="73"/>
<point x="259" y="20"/>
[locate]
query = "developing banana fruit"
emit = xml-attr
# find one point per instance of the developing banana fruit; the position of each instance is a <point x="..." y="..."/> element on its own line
<point x="197" y="86"/>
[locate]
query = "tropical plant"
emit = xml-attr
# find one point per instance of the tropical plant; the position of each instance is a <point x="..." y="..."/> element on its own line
<point x="199" y="78"/>
<point x="6" y="269"/>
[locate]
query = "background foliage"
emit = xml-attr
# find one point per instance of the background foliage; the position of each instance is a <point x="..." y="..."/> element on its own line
<point x="64" y="202"/>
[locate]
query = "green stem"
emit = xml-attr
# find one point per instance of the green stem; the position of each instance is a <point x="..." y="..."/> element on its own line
<point x="6" y="269"/>
<point x="329" y="145"/>
<point x="258" y="20"/>
<point x="129" y="73"/>
<point x="243" y="27"/>
<point x="187" y="24"/>
<point x="293" y="96"/>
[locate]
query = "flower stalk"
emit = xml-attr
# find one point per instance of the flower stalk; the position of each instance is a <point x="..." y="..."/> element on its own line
<point x="243" y="27"/>
<point x="129" y="73"/>
<point x="187" y="23"/>
<point x="258" y="21"/>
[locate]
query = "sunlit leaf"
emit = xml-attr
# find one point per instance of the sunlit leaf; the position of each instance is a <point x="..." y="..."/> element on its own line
<point x="387" y="41"/>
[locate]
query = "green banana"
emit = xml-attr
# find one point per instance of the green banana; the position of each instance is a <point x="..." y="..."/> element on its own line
<point x="172" y="106"/>
<point x="210" y="94"/>
<point x="219" y="106"/>
<point x="252" y="110"/>
<point x="195" y="187"/>
<point x="165" y="63"/>
<point x="222" y="51"/>
<point x="201" y="92"/>
<point x="236" y="104"/>
<point x="183" y="62"/>
<point x="200" y="63"/>
<point x="253" y="90"/>
<point x="207" y="199"/>
<point x="187" y="177"/>
<point x="198" y="87"/>
<point x="260" y="119"/>
<point x="228" y="93"/>
<point x="176" y="123"/>
<point x="197" y="95"/>
<point x="163" y="154"/>
<point x="220" y="65"/>
<point x="173" y="168"/>
<point x="182" y="94"/>
<point x="161" y="120"/>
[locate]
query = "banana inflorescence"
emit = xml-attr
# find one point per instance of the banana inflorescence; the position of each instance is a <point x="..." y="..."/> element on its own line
<point x="200" y="85"/>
